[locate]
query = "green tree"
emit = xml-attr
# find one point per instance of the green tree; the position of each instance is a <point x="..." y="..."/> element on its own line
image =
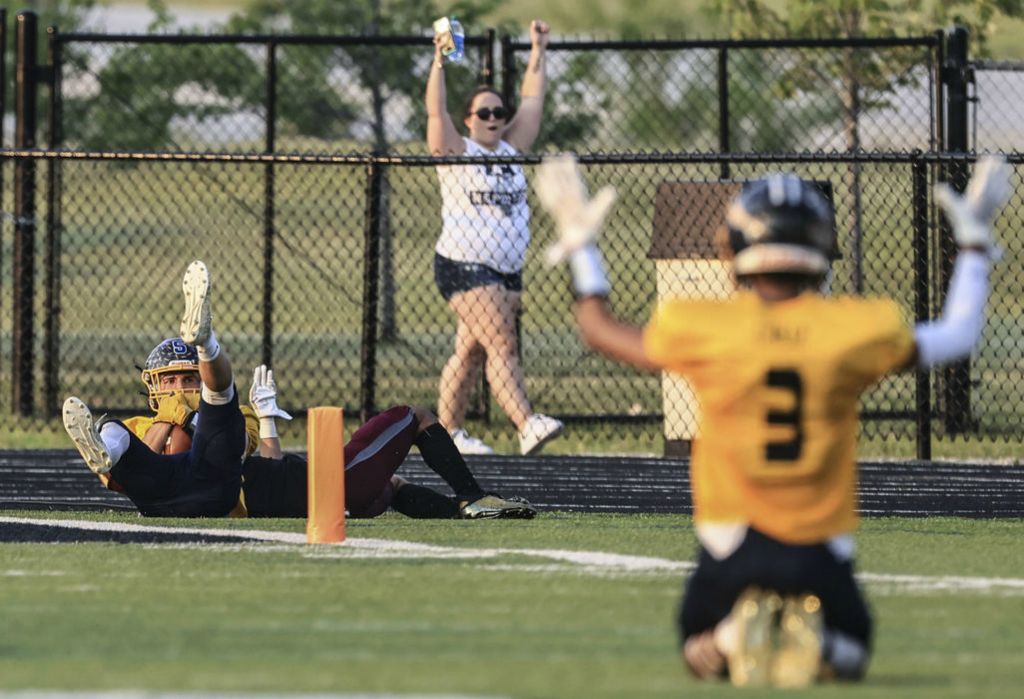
<point x="309" y="104"/>
<point x="140" y="89"/>
<point x="577" y="100"/>
<point x="307" y="100"/>
<point x="866" y="78"/>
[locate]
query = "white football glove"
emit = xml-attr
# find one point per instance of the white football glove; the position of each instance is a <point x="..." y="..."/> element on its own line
<point x="971" y="215"/>
<point x="562" y="192"/>
<point x="263" y="394"/>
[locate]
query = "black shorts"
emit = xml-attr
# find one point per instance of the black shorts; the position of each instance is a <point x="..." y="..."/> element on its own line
<point x="760" y="560"/>
<point x="454" y="277"/>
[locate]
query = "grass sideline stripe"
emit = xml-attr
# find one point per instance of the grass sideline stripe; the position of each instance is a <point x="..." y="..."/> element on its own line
<point x="596" y="562"/>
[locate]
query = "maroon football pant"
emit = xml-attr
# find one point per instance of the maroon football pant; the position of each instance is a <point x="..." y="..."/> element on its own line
<point x="375" y="452"/>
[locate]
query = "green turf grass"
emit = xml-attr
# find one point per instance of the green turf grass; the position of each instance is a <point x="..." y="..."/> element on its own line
<point x="294" y="618"/>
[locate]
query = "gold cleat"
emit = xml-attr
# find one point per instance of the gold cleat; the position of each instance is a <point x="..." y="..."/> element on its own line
<point x="798" y="656"/>
<point x="755" y="615"/>
<point x="495" y="507"/>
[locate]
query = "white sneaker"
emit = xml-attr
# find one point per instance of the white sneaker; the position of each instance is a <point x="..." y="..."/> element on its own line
<point x="469" y="445"/>
<point x="197" y="319"/>
<point x="538" y="431"/>
<point x="78" y="422"/>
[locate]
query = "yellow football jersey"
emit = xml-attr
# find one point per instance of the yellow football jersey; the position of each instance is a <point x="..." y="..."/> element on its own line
<point x="779" y="386"/>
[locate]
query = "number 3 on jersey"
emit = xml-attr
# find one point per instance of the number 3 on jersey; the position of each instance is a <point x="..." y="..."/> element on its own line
<point x="788" y="449"/>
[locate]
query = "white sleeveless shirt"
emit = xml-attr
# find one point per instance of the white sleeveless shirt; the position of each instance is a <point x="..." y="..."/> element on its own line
<point x="484" y="213"/>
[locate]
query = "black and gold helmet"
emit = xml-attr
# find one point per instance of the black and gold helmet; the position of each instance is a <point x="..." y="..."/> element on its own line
<point x="171" y="356"/>
<point x="780" y="224"/>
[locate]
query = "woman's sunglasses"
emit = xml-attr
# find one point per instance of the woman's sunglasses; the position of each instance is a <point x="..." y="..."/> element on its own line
<point x="485" y="113"/>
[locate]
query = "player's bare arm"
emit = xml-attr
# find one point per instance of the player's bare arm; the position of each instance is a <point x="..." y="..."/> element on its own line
<point x="523" y="129"/>
<point x="156" y="436"/>
<point x="442" y="136"/>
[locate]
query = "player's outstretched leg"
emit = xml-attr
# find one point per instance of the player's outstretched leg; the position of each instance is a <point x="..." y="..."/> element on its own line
<point x="197" y="329"/>
<point x="441" y="455"/>
<point x="101" y="446"/>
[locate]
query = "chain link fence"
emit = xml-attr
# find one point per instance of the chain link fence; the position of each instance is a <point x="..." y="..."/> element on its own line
<point x="248" y="94"/>
<point x="302" y="298"/>
<point x="360" y="95"/>
<point x="997" y="106"/>
<point x="736" y="96"/>
<point x="323" y="263"/>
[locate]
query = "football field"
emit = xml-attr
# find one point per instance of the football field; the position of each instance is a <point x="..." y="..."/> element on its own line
<point x="567" y="605"/>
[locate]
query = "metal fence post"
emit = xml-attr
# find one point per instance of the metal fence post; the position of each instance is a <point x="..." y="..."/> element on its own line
<point x="956" y="76"/>
<point x="723" y="110"/>
<point x="268" y="206"/>
<point x="51" y="323"/>
<point x="938" y="135"/>
<point x="923" y="396"/>
<point x="487" y="60"/>
<point x="371" y="292"/>
<point x="25" y="92"/>
<point x="508" y="72"/>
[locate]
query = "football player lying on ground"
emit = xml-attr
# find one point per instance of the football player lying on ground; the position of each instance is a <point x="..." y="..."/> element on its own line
<point x="779" y="370"/>
<point x="192" y="392"/>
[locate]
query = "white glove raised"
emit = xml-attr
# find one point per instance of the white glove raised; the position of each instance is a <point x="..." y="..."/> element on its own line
<point x="971" y="215"/>
<point x="562" y="192"/>
<point x="263" y="394"/>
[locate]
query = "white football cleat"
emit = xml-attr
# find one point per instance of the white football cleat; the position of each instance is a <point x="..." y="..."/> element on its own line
<point x="538" y="431"/>
<point x="80" y="427"/>
<point x="197" y="320"/>
<point x="469" y="445"/>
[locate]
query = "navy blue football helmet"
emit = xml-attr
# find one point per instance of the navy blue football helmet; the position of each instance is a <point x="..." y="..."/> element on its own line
<point x="173" y="355"/>
<point x="780" y="224"/>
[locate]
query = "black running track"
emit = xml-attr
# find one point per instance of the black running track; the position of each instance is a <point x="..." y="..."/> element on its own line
<point x="58" y="480"/>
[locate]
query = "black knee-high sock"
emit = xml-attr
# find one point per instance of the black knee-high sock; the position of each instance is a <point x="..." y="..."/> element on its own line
<point x="423" y="503"/>
<point x="441" y="455"/>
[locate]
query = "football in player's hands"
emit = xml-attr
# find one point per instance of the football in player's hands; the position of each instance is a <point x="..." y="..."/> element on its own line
<point x="178" y="441"/>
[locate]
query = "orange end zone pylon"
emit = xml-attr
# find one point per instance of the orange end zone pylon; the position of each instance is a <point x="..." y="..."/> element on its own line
<point x="325" y="442"/>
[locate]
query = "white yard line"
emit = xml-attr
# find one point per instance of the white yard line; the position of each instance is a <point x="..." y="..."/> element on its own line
<point x="143" y="694"/>
<point x="592" y="562"/>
